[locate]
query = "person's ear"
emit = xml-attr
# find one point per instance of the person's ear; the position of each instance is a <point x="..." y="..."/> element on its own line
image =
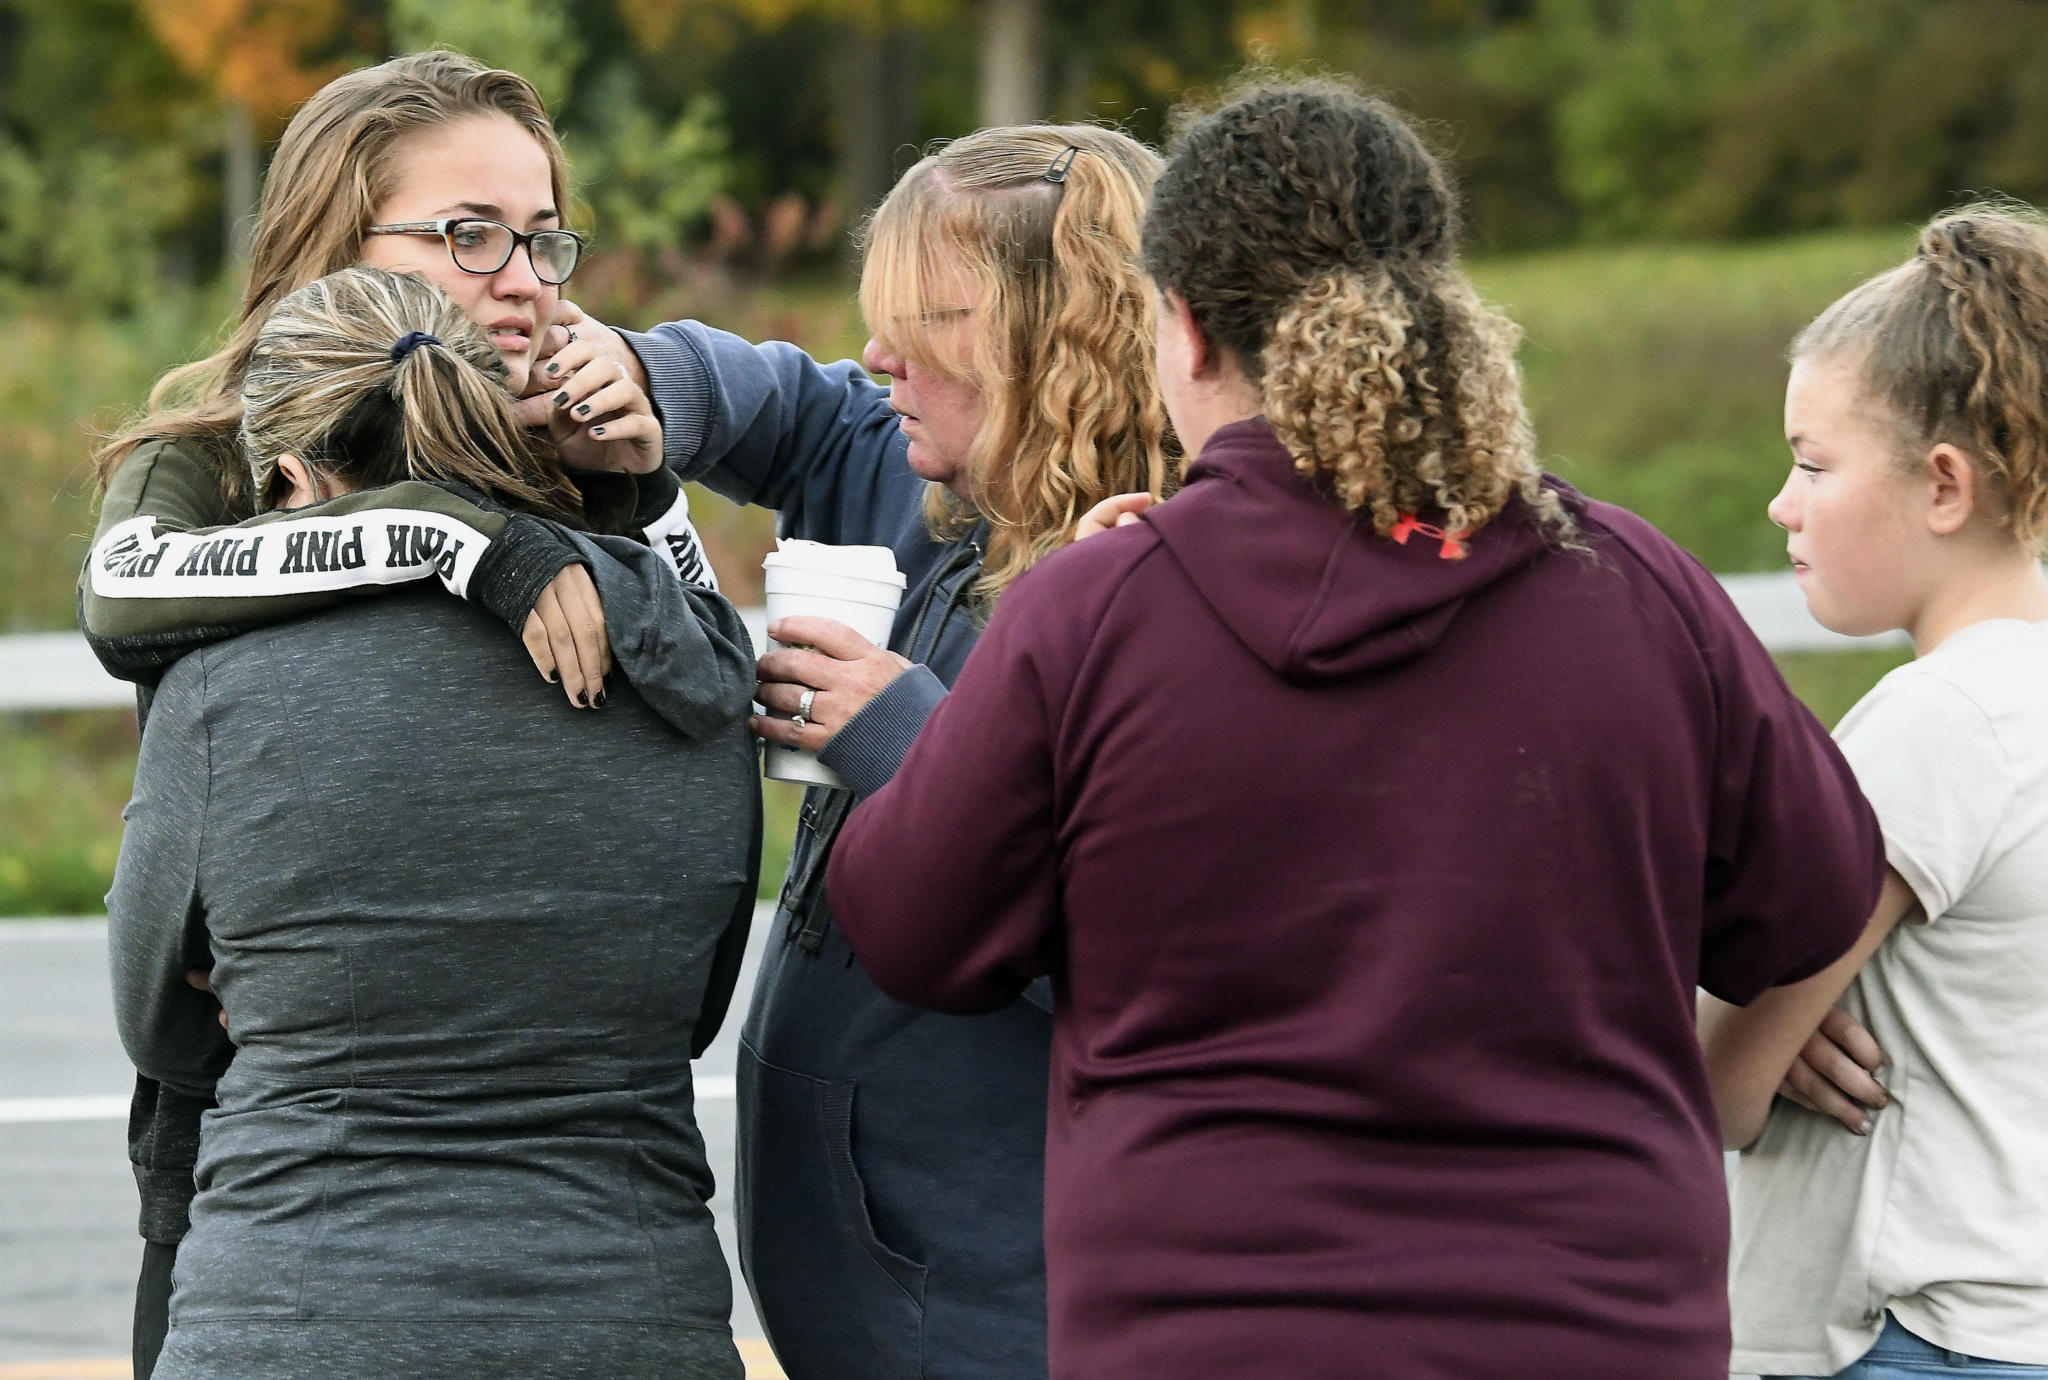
<point x="1201" y="354"/>
<point x="1954" y="487"/>
<point x="304" y="486"/>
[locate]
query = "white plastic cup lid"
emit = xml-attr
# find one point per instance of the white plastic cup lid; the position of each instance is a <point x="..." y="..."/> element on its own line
<point x="859" y="562"/>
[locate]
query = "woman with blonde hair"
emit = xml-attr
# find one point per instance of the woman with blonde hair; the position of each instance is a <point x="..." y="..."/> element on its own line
<point x="455" y="1130"/>
<point x="435" y="165"/>
<point x="891" y="1160"/>
<point x="1375" y="807"/>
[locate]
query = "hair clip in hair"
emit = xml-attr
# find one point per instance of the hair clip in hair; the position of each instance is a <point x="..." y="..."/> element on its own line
<point x="1453" y="549"/>
<point x="411" y="341"/>
<point x="1060" y="165"/>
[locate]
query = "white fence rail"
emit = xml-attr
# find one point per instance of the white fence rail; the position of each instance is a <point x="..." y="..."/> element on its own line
<point x="42" y="671"/>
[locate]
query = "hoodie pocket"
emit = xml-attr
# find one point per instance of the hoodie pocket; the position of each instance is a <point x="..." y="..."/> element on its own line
<point x="830" y="1292"/>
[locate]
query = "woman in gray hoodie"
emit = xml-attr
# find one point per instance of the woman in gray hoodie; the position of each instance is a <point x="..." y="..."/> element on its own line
<point x="462" y="971"/>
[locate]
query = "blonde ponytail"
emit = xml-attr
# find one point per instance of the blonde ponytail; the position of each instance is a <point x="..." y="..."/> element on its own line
<point x="369" y="377"/>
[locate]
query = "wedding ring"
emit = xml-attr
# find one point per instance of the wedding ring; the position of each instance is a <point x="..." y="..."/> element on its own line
<point x="803" y="708"/>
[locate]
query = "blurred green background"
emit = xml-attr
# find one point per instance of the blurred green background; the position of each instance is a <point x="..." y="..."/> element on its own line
<point x="1660" y="191"/>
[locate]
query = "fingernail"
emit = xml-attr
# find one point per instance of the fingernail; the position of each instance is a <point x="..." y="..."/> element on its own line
<point x="1863" y="1127"/>
<point x="550" y="675"/>
<point x="600" y="699"/>
<point x="583" y="410"/>
<point x="561" y="397"/>
<point x="597" y="431"/>
<point x="583" y="698"/>
<point x="554" y="368"/>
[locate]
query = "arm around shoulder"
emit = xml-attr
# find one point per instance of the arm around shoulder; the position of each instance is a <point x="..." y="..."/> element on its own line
<point x="171" y="569"/>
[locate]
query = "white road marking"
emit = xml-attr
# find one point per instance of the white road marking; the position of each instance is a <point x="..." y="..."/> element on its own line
<point x="19" y="1110"/>
<point x="58" y="927"/>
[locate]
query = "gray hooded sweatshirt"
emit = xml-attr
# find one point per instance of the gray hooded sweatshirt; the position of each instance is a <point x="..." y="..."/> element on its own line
<point x="462" y="935"/>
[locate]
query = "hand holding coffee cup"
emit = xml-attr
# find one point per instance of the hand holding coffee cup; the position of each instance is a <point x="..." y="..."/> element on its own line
<point x="830" y="611"/>
<point x="824" y="671"/>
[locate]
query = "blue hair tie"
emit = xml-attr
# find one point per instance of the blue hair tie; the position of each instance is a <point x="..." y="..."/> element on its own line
<point x="410" y="342"/>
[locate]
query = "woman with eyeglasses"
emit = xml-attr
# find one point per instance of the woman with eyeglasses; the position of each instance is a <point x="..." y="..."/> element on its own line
<point x="432" y="165"/>
<point x="436" y="166"/>
<point x="891" y="1160"/>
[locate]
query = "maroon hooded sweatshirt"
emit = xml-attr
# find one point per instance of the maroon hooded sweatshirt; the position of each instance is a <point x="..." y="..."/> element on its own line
<point x="1374" y="886"/>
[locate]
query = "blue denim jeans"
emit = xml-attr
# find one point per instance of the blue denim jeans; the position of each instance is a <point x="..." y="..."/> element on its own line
<point x="1899" y="1355"/>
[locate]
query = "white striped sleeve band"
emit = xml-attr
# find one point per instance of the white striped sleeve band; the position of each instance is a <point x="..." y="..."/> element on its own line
<point x="303" y="555"/>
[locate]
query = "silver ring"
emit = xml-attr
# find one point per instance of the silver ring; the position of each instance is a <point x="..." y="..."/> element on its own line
<point x="803" y="706"/>
<point x="572" y="334"/>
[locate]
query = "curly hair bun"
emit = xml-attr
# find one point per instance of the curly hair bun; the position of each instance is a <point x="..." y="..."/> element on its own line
<point x="1314" y="237"/>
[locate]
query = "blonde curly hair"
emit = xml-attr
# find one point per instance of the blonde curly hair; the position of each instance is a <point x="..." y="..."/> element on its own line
<point x="1313" y="236"/>
<point x="1061" y="325"/>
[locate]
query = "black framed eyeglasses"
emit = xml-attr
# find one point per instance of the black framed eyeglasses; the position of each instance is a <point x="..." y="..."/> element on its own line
<point x="483" y="247"/>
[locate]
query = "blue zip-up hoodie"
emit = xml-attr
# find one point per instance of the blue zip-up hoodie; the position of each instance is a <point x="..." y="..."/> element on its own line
<point x="891" y="1161"/>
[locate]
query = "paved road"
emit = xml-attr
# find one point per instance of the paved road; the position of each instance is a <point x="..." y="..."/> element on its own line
<point x="68" y="1248"/>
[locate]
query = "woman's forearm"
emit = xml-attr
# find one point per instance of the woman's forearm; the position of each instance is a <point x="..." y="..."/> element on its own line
<point x="683" y="646"/>
<point x="1749" y="1049"/>
<point x="766" y="424"/>
<point x="166" y="572"/>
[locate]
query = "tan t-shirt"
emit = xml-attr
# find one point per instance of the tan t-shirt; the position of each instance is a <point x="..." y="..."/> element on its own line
<point x="1941" y="1213"/>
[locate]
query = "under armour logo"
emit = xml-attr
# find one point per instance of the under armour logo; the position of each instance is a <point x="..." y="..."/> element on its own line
<point x="1453" y="549"/>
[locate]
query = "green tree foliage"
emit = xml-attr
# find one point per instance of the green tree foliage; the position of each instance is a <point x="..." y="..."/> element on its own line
<point x="649" y="181"/>
<point x="1708" y="118"/>
<point x="534" y="38"/>
<point x="1568" y="119"/>
<point x="102" y="174"/>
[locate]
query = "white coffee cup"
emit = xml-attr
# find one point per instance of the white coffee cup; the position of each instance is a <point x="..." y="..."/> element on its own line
<point x="859" y="586"/>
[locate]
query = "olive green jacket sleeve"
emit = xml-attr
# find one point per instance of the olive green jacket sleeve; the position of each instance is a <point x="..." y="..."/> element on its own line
<point x="170" y="568"/>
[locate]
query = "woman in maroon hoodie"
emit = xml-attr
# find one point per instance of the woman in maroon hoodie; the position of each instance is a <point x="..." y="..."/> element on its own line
<point x="1376" y="806"/>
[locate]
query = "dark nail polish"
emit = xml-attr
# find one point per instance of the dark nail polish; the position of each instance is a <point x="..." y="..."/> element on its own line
<point x="583" y="410"/>
<point x="561" y="397"/>
<point x="550" y="675"/>
<point x="583" y="698"/>
<point x="597" y="431"/>
<point x="554" y="368"/>
<point x="600" y="699"/>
